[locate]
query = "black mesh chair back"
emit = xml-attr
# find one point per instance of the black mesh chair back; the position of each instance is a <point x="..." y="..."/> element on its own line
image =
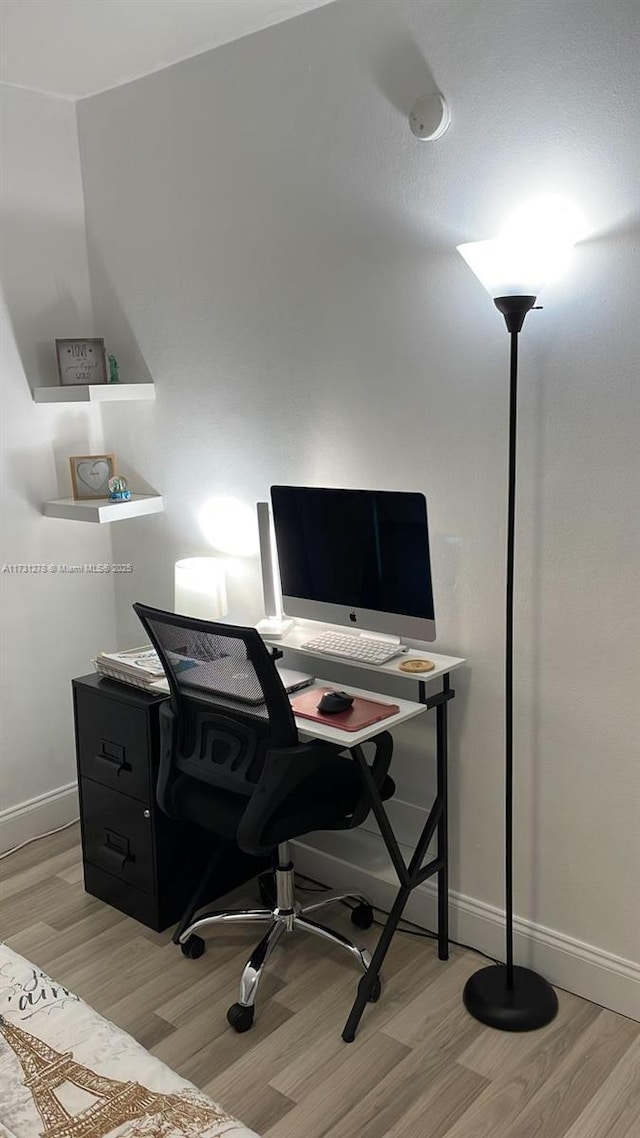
<point x="228" y="701"/>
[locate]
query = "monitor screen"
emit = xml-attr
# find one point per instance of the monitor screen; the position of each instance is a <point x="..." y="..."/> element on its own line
<point x="355" y="557"/>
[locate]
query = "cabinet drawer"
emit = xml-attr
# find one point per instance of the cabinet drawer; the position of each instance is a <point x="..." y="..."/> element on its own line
<point x="117" y="837"/>
<point x="113" y="745"/>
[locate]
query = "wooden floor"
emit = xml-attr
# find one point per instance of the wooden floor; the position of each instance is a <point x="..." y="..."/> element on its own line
<point x="420" y="1066"/>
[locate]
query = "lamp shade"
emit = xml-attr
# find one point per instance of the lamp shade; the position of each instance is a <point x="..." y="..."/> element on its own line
<point x="200" y="588"/>
<point x="515" y="268"/>
<point x="532" y="248"/>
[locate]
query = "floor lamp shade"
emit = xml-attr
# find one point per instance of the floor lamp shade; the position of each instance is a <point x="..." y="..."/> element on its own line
<point x="513" y="271"/>
<point x="200" y="588"/>
<point x="520" y="268"/>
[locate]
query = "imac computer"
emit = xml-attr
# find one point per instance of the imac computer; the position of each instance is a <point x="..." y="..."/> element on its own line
<point x="358" y="558"/>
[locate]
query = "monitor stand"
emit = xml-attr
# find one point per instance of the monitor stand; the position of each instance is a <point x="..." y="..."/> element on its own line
<point x="274" y="627"/>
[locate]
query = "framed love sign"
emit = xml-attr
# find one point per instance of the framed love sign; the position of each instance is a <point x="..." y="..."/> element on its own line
<point x="81" y="361"/>
<point x="90" y="474"/>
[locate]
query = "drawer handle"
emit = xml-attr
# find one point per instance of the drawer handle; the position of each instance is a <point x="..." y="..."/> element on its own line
<point x="117" y="846"/>
<point x="113" y="753"/>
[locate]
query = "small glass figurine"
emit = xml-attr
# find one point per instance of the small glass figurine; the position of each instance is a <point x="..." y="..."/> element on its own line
<point x="114" y="370"/>
<point x="118" y="489"/>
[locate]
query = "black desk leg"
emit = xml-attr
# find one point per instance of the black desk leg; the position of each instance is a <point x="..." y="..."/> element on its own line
<point x="443" y="836"/>
<point x="409" y="877"/>
<point x="370" y="978"/>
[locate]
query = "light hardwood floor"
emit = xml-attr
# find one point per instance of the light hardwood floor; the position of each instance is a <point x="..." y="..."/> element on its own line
<point x="420" y="1067"/>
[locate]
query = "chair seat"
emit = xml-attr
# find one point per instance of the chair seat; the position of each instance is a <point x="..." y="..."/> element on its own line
<point x="315" y="804"/>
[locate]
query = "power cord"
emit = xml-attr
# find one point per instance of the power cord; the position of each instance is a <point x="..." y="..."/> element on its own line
<point x="403" y="926"/>
<point x="305" y="888"/>
<point x="37" y="838"/>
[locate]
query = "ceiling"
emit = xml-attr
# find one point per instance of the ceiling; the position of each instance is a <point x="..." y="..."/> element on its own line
<point x="76" y="48"/>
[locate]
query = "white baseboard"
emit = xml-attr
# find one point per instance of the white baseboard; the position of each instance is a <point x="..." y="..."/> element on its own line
<point x="38" y="816"/>
<point x="338" y="859"/>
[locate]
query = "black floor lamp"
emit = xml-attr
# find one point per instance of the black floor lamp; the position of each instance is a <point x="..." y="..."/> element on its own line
<point x="507" y="996"/>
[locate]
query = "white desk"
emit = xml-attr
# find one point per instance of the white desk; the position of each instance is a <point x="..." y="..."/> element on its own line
<point x="431" y="696"/>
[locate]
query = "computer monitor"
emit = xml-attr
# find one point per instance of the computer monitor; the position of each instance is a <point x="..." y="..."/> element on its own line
<point x="355" y="557"/>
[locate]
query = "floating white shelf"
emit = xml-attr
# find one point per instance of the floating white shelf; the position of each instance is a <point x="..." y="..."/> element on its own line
<point x="94" y="393"/>
<point x="102" y="509"/>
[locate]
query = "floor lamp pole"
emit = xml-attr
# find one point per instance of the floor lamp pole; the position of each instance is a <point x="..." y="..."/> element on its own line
<point x="508" y="758"/>
<point x="503" y="995"/>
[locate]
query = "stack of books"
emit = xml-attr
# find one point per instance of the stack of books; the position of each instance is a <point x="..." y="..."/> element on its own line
<point x="139" y="667"/>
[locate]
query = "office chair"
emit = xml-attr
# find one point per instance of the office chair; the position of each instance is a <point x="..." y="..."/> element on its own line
<point x="231" y="762"/>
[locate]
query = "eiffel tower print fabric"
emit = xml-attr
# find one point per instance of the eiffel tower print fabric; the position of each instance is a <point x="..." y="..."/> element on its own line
<point x="65" y="1072"/>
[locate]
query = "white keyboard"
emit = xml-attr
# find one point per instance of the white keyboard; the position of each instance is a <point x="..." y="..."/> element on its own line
<point x="361" y="648"/>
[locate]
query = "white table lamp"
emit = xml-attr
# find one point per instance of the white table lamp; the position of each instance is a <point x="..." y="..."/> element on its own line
<point x="200" y="588"/>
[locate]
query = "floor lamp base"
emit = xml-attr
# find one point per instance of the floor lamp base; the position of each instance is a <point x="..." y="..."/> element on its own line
<point x="530" y="1004"/>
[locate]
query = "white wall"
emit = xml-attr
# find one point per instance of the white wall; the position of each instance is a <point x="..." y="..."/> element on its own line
<point x="51" y="623"/>
<point x="268" y="239"/>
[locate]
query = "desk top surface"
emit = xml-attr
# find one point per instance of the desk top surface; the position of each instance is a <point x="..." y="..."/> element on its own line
<point x="443" y="664"/>
<point x="408" y="709"/>
<point x="307" y="728"/>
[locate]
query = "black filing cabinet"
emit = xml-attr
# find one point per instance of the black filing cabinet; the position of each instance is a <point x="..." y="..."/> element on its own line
<point x="134" y="857"/>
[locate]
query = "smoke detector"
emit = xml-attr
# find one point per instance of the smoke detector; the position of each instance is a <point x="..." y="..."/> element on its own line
<point x="430" y="117"/>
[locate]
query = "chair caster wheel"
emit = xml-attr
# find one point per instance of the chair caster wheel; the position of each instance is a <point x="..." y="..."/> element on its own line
<point x="240" y="1017"/>
<point x="193" y="947"/>
<point x="376" y="991"/>
<point x="362" y="915"/>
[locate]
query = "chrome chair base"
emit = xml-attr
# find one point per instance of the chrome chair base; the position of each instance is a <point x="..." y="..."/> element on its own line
<point x="287" y="915"/>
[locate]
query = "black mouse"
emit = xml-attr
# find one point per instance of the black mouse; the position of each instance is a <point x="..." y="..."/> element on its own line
<point x="334" y="701"/>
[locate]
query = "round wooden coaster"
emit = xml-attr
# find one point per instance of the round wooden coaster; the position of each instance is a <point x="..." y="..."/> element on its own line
<point x="416" y="666"/>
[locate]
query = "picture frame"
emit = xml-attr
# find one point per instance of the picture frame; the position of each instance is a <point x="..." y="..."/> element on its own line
<point x="81" y="361"/>
<point x="90" y="474"/>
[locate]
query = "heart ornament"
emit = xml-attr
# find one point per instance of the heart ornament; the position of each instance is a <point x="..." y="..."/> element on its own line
<point x="94" y="475"/>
